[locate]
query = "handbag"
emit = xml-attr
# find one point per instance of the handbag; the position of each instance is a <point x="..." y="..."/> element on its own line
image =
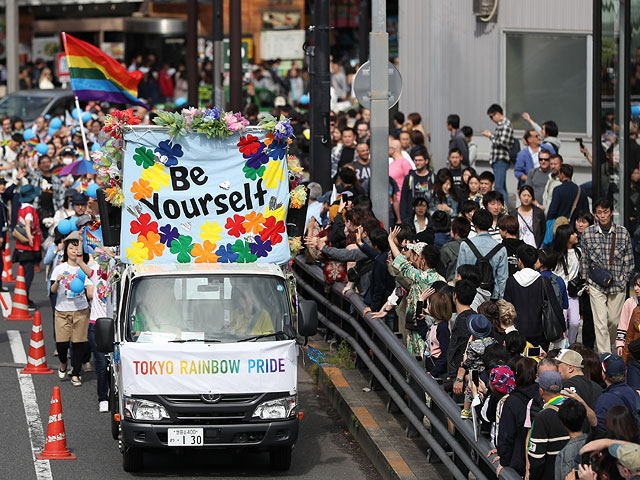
<point x="575" y="286"/>
<point x="552" y="326"/>
<point x="19" y="232"/>
<point x="600" y="275"/>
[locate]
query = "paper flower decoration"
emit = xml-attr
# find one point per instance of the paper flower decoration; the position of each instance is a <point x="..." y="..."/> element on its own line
<point x="205" y="253"/>
<point x="226" y="254"/>
<point x="151" y="241"/>
<point x="156" y="176"/>
<point x="235" y="225"/>
<point x="137" y="253"/>
<point x="182" y="247"/>
<point x="169" y="150"/>
<point x="141" y="189"/>
<point x="253" y="222"/>
<point x="168" y="234"/>
<point x="273" y="174"/>
<point x="210" y="232"/>
<point x="144" y="157"/>
<point x="143" y="225"/>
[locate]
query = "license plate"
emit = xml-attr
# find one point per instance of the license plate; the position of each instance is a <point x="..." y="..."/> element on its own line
<point x="185" y="437"/>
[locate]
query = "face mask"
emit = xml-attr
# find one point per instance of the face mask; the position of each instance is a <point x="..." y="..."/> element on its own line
<point x="67" y="160"/>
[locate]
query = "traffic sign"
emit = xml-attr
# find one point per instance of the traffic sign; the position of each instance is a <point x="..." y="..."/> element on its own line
<point x="362" y="85"/>
<point x="62" y="68"/>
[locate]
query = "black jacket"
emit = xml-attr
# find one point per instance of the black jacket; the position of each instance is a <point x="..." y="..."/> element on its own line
<point x="382" y="283"/>
<point x="458" y="344"/>
<point x="413" y="186"/>
<point x="539" y="224"/>
<point x="511" y="245"/>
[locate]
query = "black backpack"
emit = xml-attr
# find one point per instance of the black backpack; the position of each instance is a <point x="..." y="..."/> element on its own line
<point x="487" y="280"/>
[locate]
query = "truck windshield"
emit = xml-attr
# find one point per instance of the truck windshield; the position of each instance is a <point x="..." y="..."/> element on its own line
<point x="208" y="308"/>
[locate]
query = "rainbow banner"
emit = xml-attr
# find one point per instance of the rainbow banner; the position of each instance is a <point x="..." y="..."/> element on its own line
<point x="97" y="76"/>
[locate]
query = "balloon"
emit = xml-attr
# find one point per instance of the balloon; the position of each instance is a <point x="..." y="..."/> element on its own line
<point x="42" y="148"/>
<point x="76" y="285"/>
<point x="92" y="190"/>
<point x="27" y="135"/>
<point x="86" y="116"/>
<point x="304" y="99"/>
<point x="180" y="101"/>
<point x="74" y="113"/>
<point x="52" y="131"/>
<point x="55" y="123"/>
<point x="95" y="147"/>
<point x="64" y="226"/>
<point x="81" y="274"/>
<point x="47" y="116"/>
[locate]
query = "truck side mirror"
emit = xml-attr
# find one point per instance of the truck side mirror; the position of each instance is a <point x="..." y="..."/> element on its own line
<point x="104" y="331"/>
<point x="307" y="318"/>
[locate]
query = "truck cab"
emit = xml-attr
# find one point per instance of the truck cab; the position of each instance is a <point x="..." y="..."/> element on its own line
<point x="192" y="363"/>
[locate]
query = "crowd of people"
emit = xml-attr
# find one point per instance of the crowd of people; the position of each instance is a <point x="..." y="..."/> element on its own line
<point x="521" y="311"/>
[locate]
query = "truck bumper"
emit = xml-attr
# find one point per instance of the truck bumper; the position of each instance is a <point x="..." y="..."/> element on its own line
<point x="249" y="435"/>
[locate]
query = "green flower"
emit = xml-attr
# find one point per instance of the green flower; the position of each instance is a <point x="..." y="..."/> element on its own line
<point x="144" y="157"/>
<point x="243" y="249"/>
<point x="182" y="247"/>
<point x="252" y="173"/>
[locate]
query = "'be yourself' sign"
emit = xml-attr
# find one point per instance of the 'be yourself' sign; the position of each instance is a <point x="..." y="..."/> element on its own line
<point x="204" y="200"/>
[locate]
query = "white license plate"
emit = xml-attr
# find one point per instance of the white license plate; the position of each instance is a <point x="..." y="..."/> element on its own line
<point x="185" y="437"/>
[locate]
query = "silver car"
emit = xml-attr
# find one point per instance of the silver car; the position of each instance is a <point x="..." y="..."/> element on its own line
<point x="30" y="104"/>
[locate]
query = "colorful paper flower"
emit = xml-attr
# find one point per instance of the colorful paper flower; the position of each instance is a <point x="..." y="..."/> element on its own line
<point x="272" y="230"/>
<point x="188" y="114"/>
<point x="278" y="213"/>
<point x="248" y="145"/>
<point x="210" y="231"/>
<point x="212" y="114"/>
<point x="204" y="253"/>
<point x="283" y="129"/>
<point x="273" y="174"/>
<point x="256" y="160"/>
<point x="169" y="150"/>
<point x="226" y="254"/>
<point x="252" y="173"/>
<point x="235" y="121"/>
<point x="144" y="157"/>
<point x="156" y="176"/>
<point x="235" y="225"/>
<point x="141" y="189"/>
<point x="295" y="245"/>
<point x="243" y="249"/>
<point x="182" y="247"/>
<point x="143" y="225"/>
<point x="152" y="242"/>
<point x="168" y="234"/>
<point x="260" y="249"/>
<point x="138" y="253"/>
<point x="253" y="222"/>
<point x="298" y="196"/>
<point x="278" y="150"/>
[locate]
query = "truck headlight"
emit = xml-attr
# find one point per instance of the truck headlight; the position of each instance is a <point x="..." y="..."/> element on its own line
<point x="278" y="409"/>
<point x="139" y="409"/>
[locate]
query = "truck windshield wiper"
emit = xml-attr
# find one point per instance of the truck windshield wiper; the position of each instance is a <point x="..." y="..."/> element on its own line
<point x="264" y="335"/>
<point x="205" y="340"/>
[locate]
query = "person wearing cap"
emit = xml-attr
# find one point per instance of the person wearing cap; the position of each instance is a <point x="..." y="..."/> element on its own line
<point x="628" y="457"/>
<point x="28" y="254"/>
<point x="575" y="383"/>
<point x="548" y="436"/>
<point x="617" y="391"/>
<point x="79" y="203"/>
<point x="68" y="155"/>
<point x="572" y="414"/>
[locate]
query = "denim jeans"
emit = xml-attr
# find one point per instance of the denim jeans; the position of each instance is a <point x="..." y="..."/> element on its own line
<point x="100" y="360"/>
<point x="500" y="168"/>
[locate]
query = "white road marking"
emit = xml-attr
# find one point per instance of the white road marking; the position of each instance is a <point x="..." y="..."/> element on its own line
<point x="31" y="410"/>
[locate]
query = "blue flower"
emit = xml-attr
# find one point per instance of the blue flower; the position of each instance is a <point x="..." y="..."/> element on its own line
<point x="277" y="150"/>
<point x="260" y="248"/>
<point x="226" y="254"/>
<point x="255" y="160"/>
<point x="212" y="114"/>
<point x="172" y="152"/>
<point x="168" y="234"/>
<point x="283" y="130"/>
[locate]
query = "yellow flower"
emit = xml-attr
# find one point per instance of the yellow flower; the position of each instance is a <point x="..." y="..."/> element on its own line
<point x="156" y="176"/>
<point x="138" y="253"/>
<point x="272" y="174"/>
<point x="210" y="232"/>
<point x="279" y="213"/>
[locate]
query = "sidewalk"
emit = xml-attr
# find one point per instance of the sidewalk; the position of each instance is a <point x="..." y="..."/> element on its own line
<point x="380" y="434"/>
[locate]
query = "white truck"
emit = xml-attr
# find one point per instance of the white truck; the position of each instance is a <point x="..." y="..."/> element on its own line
<point x="203" y="339"/>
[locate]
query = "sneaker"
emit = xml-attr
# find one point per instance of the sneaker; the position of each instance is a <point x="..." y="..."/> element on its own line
<point x="76" y="383"/>
<point x="465" y="414"/>
<point x="62" y="373"/>
<point x="104" y="406"/>
<point x="32" y="305"/>
<point x="4" y="289"/>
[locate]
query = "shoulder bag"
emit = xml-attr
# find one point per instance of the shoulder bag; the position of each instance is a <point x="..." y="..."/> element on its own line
<point x="552" y="326"/>
<point x="600" y="275"/>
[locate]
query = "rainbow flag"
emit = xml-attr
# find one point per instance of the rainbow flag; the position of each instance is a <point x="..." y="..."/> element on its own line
<point x="97" y="76"/>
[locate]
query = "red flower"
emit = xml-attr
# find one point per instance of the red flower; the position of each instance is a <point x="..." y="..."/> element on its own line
<point x="248" y="145"/>
<point x="235" y="225"/>
<point x="272" y="230"/>
<point x="143" y="225"/>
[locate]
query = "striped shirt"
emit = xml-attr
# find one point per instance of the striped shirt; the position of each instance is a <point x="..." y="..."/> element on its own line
<point x="548" y="438"/>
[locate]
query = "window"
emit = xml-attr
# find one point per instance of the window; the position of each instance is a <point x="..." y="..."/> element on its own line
<point x="546" y="76"/>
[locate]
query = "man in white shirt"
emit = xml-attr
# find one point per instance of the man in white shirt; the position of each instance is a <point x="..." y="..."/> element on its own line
<point x="8" y="156"/>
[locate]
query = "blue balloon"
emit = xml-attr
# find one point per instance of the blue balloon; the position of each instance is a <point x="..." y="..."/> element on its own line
<point x="304" y="99"/>
<point x="76" y="285"/>
<point x="42" y="148"/>
<point x="64" y="226"/>
<point x="74" y="227"/>
<point x="47" y="116"/>
<point x="81" y="274"/>
<point x="95" y="147"/>
<point x="28" y="135"/>
<point x="86" y="116"/>
<point x="74" y="113"/>
<point x="92" y="190"/>
<point x="180" y="101"/>
<point x="55" y="123"/>
<point x="52" y="131"/>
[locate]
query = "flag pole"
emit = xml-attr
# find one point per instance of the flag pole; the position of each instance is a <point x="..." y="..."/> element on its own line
<point x="84" y="137"/>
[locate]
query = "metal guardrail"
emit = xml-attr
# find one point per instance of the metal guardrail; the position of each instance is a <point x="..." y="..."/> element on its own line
<point x="390" y="364"/>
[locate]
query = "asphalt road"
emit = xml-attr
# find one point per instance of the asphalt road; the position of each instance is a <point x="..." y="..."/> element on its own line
<point x="324" y="449"/>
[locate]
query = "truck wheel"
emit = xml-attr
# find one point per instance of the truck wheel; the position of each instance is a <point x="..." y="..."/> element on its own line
<point x="132" y="459"/>
<point x="280" y="457"/>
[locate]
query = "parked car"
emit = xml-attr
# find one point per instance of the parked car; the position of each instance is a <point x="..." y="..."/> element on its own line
<point x="30" y="104"/>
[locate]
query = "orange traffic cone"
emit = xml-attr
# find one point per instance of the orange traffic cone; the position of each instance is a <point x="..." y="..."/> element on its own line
<point x="7" y="271"/>
<point x="20" y="310"/>
<point x="56" y="446"/>
<point x="37" y="361"/>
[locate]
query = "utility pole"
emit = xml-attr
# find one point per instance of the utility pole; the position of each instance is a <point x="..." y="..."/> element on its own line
<point x="235" y="56"/>
<point x="363" y="30"/>
<point x="218" y="53"/>
<point x="320" y="102"/>
<point x="12" y="14"/>
<point x="379" y="46"/>
<point x="192" y="51"/>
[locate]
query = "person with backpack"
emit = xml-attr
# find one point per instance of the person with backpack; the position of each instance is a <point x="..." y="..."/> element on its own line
<point x="617" y="392"/>
<point x="547" y="261"/>
<point x="488" y="255"/>
<point x="526" y="290"/>
<point x="508" y="227"/>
